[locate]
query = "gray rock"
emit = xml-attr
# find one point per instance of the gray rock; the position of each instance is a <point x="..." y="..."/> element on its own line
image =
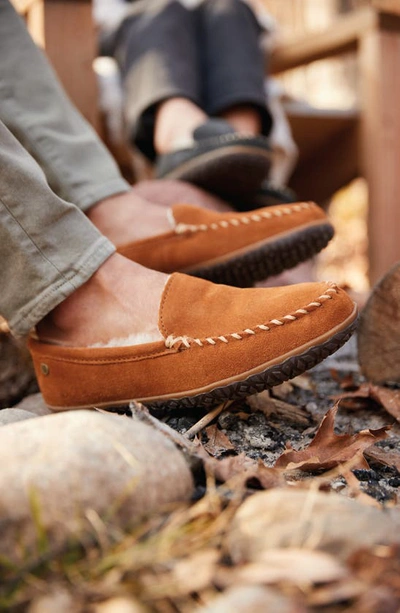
<point x="9" y="416"/>
<point x="64" y="471"/>
<point x="289" y="518"/>
<point x="34" y="404"/>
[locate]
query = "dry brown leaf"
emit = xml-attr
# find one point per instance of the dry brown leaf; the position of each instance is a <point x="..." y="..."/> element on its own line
<point x="387" y="458"/>
<point x="328" y="449"/>
<point x="336" y="592"/>
<point x="217" y="442"/>
<point x="264" y="403"/>
<point x="282" y="390"/>
<point x="197" y="571"/>
<point x="355" y="491"/>
<point x="388" y="398"/>
<point x="347" y="382"/>
<point x="241" y="470"/>
<point x="303" y="381"/>
<point x="242" y="415"/>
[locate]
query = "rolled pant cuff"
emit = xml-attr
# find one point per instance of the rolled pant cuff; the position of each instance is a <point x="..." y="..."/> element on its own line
<point x="60" y="289"/>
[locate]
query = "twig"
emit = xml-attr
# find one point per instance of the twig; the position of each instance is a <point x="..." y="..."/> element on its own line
<point x="142" y="414"/>
<point x="207" y="419"/>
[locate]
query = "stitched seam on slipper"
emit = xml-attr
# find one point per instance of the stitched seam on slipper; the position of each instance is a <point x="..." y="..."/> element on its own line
<point x="185" y="342"/>
<point x="181" y="228"/>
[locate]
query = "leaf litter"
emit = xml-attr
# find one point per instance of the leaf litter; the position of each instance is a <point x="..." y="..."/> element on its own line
<point x="290" y="439"/>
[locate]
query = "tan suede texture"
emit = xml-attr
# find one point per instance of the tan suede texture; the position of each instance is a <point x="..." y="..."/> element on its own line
<point x="210" y="236"/>
<point x="195" y="309"/>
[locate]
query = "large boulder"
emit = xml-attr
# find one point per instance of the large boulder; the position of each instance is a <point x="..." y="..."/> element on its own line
<point x="59" y="471"/>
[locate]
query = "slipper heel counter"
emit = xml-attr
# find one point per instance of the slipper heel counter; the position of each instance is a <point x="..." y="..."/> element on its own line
<point x="59" y="386"/>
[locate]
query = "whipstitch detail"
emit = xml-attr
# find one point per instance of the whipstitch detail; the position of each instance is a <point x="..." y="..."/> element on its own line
<point x="186" y="341"/>
<point x="181" y="228"/>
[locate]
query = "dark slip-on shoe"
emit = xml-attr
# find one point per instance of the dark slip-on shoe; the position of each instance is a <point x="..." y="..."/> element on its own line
<point x="220" y="161"/>
<point x="234" y="248"/>
<point x="219" y="343"/>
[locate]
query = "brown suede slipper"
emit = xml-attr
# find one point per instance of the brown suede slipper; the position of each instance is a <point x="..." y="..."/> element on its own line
<point x="219" y="343"/>
<point x="235" y="248"/>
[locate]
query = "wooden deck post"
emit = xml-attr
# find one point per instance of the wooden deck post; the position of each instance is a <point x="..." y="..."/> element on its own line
<point x="379" y="57"/>
<point x="65" y="29"/>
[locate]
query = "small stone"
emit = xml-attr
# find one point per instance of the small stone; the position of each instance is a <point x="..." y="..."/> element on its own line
<point x="119" y="605"/>
<point x="58" y="600"/>
<point x="9" y="416"/>
<point x="307" y="519"/>
<point x="63" y="472"/>
<point x="34" y="404"/>
<point x="252" y="599"/>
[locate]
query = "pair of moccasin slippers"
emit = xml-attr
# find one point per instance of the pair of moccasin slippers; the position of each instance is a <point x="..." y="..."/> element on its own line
<point x="219" y="342"/>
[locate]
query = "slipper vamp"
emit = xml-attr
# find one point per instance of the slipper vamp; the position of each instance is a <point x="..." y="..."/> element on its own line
<point x="201" y="236"/>
<point x="195" y="308"/>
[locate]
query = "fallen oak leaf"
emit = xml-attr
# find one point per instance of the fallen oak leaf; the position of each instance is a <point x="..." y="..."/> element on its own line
<point x="328" y="449"/>
<point x="268" y="405"/>
<point x="388" y="398"/>
<point x="387" y="458"/>
<point x="217" y="442"/>
<point x="240" y="470"/>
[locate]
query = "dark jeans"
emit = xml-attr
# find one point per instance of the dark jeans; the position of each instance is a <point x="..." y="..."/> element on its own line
<point x="210" y="55"/>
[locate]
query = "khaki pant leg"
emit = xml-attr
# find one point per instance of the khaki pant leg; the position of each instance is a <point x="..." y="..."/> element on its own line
<point x="48" y="247"/>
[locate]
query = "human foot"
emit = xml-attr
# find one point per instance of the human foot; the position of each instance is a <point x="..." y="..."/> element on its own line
<point x="142" y="212"/>
<point x="120" y="300"/>
<point x="216" y="343"/>
<point x="219" y="159"/>
<point x="231" y="248"/>
<point x="176" y="119"/>
<point x="234" y="248"/>
<point x="244" y="119"/>
<point x="128" y="217"/>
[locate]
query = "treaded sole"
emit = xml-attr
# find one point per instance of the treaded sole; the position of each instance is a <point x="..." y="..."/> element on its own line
<point x="230" y="173"/>
<point x="268" y="260"/>
<point x="292" y="367"/>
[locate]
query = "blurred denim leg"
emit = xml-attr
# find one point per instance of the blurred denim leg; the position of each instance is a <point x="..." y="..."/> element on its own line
<point x="233" y="64"/>
<point x="48" y="247"/>
<point x="157" y="53"/>
<point x="34" y="106"/>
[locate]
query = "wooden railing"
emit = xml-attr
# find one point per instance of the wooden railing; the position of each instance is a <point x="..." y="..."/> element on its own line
<point x="370" y="144"/>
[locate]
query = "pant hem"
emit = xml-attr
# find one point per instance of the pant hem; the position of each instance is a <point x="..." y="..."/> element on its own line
<point x="47" y="300"/>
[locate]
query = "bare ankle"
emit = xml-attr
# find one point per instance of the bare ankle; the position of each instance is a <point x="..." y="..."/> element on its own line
<point x="120" y="299"/>
<point x="128" y="217"/>
<point x="244" y="119"/>
<point x="176" y="118"/>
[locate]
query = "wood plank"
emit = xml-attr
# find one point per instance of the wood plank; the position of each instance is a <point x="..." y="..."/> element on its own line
<point x="314" y="128"/>
<point x="325" y="165"/>
<point x="387" y="6"/>
<point x="71" y="46"/>
<point x="380" y="134"/>
<point x="341" y="37"/>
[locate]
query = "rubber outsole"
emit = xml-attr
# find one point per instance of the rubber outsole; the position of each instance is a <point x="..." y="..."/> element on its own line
<point x="234" y="173"/>
<point x="291" y="367"/>
<point x="270" y="259"/>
